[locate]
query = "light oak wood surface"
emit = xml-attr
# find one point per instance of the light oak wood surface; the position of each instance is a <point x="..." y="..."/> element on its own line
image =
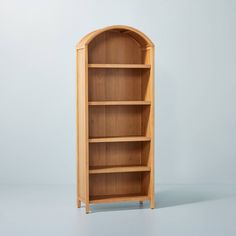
<point x="118" y="198"/>
<point x="122" y="66"/>
<point x="117" y="169"/>
<point x="118" y="103"/>
<point x="120" y="139"/>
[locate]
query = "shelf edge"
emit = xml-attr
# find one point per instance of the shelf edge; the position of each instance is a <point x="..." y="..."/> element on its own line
<point x="119" y="169"/>
<point x="125" y="66"/>
<point x="119" y="139"/>
<point x="120" y="199"/>
<point x="119" y="103"/>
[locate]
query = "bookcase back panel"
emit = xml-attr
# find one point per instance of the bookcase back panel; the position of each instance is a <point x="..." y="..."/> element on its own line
<point x="120" y="154"/>
<point x="110" y="154"/>
<point x="116" y="47"/>
<point x="114" y="121"/>
<point x="145" y="183"/>
<point x="115" y="183"/>
<point x="118" y="84"/>
<point x="145" y="160"/>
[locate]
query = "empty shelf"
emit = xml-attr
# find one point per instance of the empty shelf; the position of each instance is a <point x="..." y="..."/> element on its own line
<point x="118" y="198"/>
<point x="113" y="103"/>
<point x="117" y="169"/>
<point x="138" y="66"/>
<point x="119" y="139"/>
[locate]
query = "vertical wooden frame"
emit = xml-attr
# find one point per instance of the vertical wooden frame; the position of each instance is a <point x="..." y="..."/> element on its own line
<point x="82" y="127"/>
<point x="152" y="143"/>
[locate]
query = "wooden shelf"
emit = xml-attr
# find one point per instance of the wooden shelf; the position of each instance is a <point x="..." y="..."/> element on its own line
<point x="117" y="103"/>
<point x="125" y="66"/>
<point x="118" y="169"/>
<point x="118" y="198"/>
<point x="119" y="139"/>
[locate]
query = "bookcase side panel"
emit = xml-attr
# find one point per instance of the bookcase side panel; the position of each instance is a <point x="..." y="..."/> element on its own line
<point x="152" y="130"/>
<point x="82" y="127"/>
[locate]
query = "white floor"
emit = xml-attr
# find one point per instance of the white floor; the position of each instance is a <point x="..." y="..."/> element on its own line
<point x="182" y="210"/>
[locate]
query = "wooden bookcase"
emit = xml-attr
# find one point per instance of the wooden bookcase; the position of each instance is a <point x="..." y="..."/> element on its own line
<point x="115" y="117"/>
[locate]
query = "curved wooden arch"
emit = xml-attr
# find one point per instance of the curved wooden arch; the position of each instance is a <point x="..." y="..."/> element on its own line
<point x="134" y="33"/>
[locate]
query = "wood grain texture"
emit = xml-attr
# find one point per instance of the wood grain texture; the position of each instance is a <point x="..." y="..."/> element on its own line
<point x="114" y="47"/>
<point x="81" y="124"/>
<point x="116" y="121"/>
<point x="115" y="84"/>
<point x="115" y="183"/>
<point x="116" y="153"/>
<point x="82" y="129"/>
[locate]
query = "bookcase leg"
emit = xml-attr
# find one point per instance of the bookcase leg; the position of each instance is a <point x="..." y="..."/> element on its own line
<point x="78" y="203"/>
<point x="87" y="208"/>
<point x="152" y="204"/>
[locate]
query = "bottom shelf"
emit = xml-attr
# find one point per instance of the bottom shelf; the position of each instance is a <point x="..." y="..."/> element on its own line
<point x="118" y="198"/>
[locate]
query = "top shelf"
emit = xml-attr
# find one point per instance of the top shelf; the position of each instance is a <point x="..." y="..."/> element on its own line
<point x="125" y="66"/>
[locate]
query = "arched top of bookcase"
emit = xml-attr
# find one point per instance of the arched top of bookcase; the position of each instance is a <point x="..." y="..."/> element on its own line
<point x="137" y="35"/>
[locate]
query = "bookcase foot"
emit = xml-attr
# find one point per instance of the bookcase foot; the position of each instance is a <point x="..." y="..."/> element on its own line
<point x="152" y="204"/>
<point x="78" y="203"/>
<point x="87" y="209"/>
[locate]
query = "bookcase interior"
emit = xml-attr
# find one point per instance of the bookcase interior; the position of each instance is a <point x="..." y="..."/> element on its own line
<point x="117" y="185"/>
<point x="118" y="121"/>
<point x="119" y="154"/>
<point x="118" y="84"/>
<point x="118" y="47"/>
